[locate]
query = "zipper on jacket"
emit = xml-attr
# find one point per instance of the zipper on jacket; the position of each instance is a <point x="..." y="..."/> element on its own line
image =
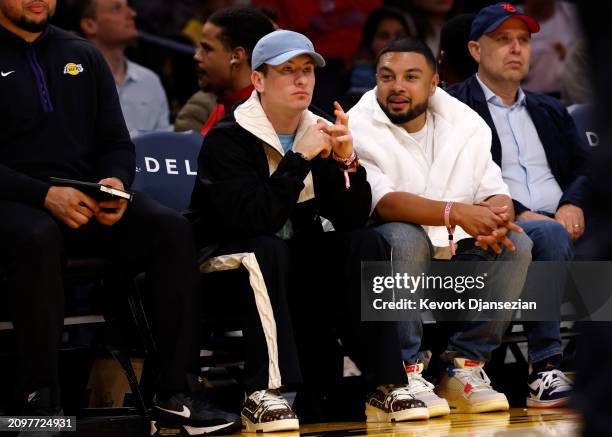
<point x="41" y="81"/>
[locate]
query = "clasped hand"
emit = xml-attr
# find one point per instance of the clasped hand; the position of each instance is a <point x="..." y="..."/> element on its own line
<point x="488" y="224"/>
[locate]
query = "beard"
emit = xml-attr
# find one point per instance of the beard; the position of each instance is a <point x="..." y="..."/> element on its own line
<point x="24" y="23"/>
<point x="403" y="117"/>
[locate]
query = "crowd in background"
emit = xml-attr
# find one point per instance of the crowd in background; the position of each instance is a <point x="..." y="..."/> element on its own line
<point x="349" y="34"/>
<point x="185" y="65"/>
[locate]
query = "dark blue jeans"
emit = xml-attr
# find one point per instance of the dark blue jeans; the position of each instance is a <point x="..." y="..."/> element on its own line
<point x="474" y="340"/>
<point x="551" y="242"/>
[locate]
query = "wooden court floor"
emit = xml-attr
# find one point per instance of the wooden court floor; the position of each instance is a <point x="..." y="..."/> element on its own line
<point x="518" y="422"/>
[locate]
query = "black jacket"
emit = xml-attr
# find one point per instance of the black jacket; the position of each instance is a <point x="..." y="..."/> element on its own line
<point x="59" y="116"/>
<point x="235" y="196"/>
<point x="565" y="151"/>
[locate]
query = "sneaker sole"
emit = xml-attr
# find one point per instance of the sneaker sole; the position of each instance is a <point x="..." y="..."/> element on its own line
<point x="555" y="403"/>
<point x="438" y="410"/>
<point x="375" y="415"/>
<point x="277" y="425"/>
<point x="226" y="428"/>
<point x="482" y="407"/>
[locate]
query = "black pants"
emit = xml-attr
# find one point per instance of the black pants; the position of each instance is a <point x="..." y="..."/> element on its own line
<point x="313" y="284"/>
<point x="149" y="238"/>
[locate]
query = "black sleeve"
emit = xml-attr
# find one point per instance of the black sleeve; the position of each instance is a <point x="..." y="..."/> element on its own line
<point x="236" y="198"/>
<point x="19" y="187"/>
<point x="577" y="190"/>
<point x="345" y="208"/>
<point x="114" y="148"/>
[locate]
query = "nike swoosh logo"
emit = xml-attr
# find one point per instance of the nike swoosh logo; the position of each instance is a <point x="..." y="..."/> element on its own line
<point x="186" y="413"/>
<point x="7" y="73"/>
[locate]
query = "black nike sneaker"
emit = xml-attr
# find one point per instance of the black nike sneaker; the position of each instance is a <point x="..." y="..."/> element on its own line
<point x="195" y="416"/>
<point x="39" y="403"/>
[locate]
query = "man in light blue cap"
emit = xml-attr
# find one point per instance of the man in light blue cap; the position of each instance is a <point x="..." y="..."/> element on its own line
<point x="280" y="46"/>
<point x="265" y="177"/>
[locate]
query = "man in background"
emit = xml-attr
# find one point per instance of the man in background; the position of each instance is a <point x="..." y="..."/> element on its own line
<point x="110" y="26"/>
<point x="224" y="61"/>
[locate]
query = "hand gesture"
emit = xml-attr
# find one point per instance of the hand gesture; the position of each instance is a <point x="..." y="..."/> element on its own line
<point x="314" y="142"/>
<point x="341" y="139"/>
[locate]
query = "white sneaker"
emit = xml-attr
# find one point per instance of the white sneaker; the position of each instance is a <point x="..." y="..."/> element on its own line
<point x="423" y="390"/>
<point x="467" y="388"/>
<point x="549" y="389"/>
<point x="268" y="411"/>
<point x="394" y="403"/>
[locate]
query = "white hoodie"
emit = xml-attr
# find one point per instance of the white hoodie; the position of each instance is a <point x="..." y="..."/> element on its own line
<point x="462" y="169"/>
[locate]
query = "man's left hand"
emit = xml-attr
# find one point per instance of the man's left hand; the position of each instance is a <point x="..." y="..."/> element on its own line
<point x="111" y="211"/>
<point x="572" y="219"/>
<point x="341" y="139"/>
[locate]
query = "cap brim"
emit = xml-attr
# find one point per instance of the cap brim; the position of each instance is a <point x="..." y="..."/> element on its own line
<point x="284" y="57"/>
<point x="532" y="24"/>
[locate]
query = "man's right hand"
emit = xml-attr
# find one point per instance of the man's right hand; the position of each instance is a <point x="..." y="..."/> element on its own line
<point x="70" y="206"/>
<point x="314" y="142"/>
<point x="475" y="219"/>
<point x="498" y="237"/>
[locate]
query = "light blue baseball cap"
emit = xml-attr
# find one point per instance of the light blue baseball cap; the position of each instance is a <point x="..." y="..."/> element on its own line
<point x="280" y="46"/>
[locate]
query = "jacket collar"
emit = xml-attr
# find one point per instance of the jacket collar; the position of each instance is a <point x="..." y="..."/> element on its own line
<point x="10" y="36"/>
<point x="478" y="102"/>
<point x="448" y="113"/>
<point x="251" y="117"/>
<point x="493" y="98"/>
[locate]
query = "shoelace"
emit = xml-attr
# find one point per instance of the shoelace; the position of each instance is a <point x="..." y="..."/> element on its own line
<point x="555" y="379"/>
<point x="398" y="392"/>
<point x="475" y="376"/>
<point x="418" y="384"/>
<point x="270" y="400"/>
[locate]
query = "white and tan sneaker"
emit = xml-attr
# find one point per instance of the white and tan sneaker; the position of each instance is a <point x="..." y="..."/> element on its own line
<point x="423" y="390"/>
<point x="394" y="403"/>
<point x="268" y="411"/>
<point x="467" y="388"/>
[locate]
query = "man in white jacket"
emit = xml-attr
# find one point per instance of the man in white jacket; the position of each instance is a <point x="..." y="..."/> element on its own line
<point x="435" y="188"/>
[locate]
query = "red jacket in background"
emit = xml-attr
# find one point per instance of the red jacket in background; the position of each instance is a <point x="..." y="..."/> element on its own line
<point x="334" y="26"/>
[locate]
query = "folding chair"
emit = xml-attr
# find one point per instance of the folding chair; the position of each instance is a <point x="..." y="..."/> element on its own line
<point x="166" y="168"/>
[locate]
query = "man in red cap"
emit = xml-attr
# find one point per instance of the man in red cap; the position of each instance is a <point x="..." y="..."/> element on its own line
<point x="538" y="148"/>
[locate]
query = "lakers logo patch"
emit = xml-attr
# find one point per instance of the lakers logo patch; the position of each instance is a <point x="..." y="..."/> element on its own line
<point x="73" y="69"/>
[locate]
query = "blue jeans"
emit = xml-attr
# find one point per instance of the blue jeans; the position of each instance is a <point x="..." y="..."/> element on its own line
<point x="475" y="340"/>
<point x="551" y="242"/>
